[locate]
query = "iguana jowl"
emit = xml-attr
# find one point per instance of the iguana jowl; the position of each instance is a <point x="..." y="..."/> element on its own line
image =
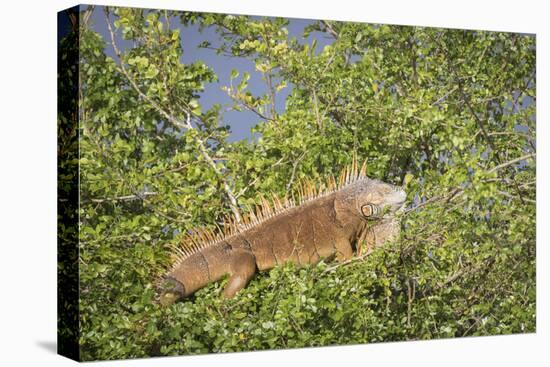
<point x="324" y="222"/>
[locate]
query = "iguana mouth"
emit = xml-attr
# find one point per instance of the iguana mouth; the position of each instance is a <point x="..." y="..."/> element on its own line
<point x="396" y="199"/>
<point x="395" y="202"/>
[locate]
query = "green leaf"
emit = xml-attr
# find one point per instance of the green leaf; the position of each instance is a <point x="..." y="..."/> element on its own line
<point x="151" y="72"/>
<point x="195" y="107"/>
<point x="175" y="35"/>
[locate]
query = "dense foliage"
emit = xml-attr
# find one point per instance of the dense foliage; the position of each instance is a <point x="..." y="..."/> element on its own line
<point x="448" y="113"/>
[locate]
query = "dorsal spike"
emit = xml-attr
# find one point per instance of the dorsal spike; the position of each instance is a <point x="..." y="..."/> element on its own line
<point x="207" y="237"/>
<point x="231" y="226"/>
<point x="177" y="249"/>
<point x="234" y="224"/>
<point x="346" y="175"/>
<point x="322" y="189"/>
<point x="267" y="205"/>
<point x="200" y="235"/>
<point x="193" y="242"/>
<point x="354" y="167"/>
<point x="252" y="215"/>
<point x="227" y="223"/>
<point x="363" y="171"/>
<point x="211" y="236"/>
<point x="199" y="240"/>
<point x="331" y="182"/>
<point x="276" y="201"/>
<point x="220" y="231"/>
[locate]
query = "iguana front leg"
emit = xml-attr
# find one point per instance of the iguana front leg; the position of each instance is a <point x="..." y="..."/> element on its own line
<point x="242" y="268"/>
<point x="344" y="250"/>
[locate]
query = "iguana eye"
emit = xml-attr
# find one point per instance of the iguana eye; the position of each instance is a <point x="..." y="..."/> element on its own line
<point x="370" y="210"/>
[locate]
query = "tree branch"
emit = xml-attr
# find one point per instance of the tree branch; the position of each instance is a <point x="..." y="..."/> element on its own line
<point x="513" y="161"/>
<point x="121" y="198"/>
<point x="350" y="261"/>
<point x="250" y="108"/>
<point x="294" y="167"/>
<point x="316" y="105"/>
<point x="329" y="29"/>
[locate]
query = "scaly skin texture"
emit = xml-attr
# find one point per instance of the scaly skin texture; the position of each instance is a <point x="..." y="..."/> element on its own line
<point x="330" y="225"/>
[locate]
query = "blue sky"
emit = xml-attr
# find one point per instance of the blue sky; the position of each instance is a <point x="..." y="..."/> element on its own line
<point x="239" y="122"/>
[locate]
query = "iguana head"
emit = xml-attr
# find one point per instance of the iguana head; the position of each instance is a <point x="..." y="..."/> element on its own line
<point x="172" y="291"/>
<point x="377" y="199"/>
<point x="370" y="199"/>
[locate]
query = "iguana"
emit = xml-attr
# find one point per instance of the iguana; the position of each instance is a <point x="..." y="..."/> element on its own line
<point x="325" y="221"/>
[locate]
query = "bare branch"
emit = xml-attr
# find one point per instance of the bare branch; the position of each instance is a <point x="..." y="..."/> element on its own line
<point x="508" y="195"/>
<point x="462" y="272"/>
<point x="518" y="133"/>
<point x="316" y="105"/>
<point x="250" y="108"/>
<point x="294" y="167"/>
<point x="411" y="293"/>
<point x="330" y="29"/>
<point x="453" y="194"/>
<point x="122" y="198"/>
<point x="513" y="161"/>
<point x="443" y="97"/>
<point x="350" y="261"/>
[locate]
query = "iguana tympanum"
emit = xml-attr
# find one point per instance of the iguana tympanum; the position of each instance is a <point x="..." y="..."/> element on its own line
<point x="327" y="221"/>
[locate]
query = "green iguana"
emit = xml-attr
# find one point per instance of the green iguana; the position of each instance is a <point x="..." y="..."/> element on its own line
<point x="327" y="221"/>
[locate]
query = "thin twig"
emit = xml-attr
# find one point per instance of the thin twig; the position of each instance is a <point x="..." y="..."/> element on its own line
<point x="250" y="108"/>
<point x="513" y="161"/>
<point x="121" y="198"/>
<point x="453" y="194"/>
<point x="442" y="98"/>
<point x="330" y="29"/>
<point x="508" y="195"/>
<point x="293" y="175"/>
<point x="350" y="261"/>
<point x="411" y="292"/>
<point x="316" y="105"/>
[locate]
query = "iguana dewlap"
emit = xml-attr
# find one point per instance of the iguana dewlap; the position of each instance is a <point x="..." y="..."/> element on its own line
<point x="325" y="222"/>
